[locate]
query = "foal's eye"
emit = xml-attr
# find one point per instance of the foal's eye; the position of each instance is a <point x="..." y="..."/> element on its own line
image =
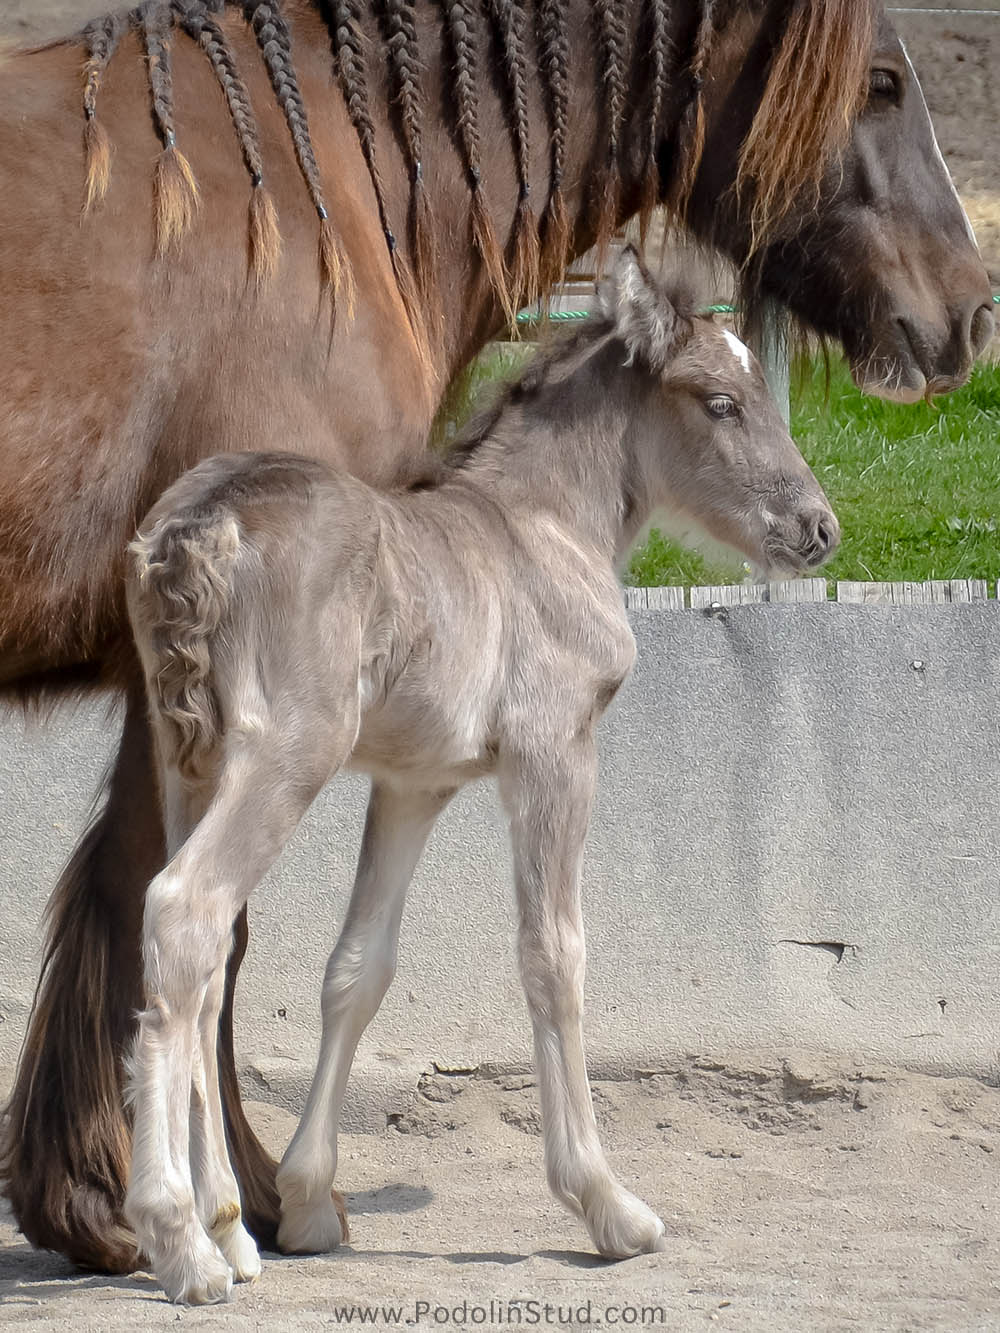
<point x="883" y="83"/>
<point x="722" y="406"/>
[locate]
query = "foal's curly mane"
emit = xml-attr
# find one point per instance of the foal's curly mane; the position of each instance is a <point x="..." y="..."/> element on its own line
<point x="815" y="87"/>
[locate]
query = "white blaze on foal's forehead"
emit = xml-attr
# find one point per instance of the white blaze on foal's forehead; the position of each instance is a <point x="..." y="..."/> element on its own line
<point x="738" y="349"/>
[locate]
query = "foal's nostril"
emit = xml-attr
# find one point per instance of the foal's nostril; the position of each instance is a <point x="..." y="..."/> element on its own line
<point x="827" y="536"/>
<point x="822" y="538"/>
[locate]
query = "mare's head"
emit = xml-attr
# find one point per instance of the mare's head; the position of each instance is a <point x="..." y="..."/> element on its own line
<point x="873" y="249"/>
<point x="708" y="443"/>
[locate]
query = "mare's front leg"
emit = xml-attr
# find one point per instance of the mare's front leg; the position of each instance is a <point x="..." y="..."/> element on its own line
<point x="358" y="974"/>
<point x="548" y="794"/>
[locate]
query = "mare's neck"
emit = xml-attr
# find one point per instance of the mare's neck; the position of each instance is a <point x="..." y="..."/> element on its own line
<point x="470" y="313"/>
<point x="570" y="448"/>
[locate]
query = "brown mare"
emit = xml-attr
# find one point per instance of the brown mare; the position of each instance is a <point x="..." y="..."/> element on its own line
<point x="469" y="151"/>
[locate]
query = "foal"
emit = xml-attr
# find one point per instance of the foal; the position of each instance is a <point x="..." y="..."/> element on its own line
<point x="293" y="621"/>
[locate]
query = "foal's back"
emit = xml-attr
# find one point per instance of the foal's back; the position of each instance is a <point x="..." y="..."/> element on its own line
<point x="442" y="614"/>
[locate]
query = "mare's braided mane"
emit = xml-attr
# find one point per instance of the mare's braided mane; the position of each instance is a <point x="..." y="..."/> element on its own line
<point x="802" y="120"/>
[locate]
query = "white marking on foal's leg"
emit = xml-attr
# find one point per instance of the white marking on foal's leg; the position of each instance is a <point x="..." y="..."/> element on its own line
<point x="358" y="974"/>
<point x="549" y="802"/>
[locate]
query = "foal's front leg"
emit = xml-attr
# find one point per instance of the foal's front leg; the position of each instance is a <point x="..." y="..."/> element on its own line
<point x="358" y="974"/>
<point x="548" y="797"/>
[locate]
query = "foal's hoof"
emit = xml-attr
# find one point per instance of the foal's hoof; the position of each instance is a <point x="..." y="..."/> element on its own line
<point x="196" y="1273"/>
<point x="240" y="1251"/>
<point x="310" y="1228"/>
<point x="622" y="1226"/>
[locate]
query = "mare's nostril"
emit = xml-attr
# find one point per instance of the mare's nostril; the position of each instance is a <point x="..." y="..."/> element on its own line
<point x="981" y="329"/>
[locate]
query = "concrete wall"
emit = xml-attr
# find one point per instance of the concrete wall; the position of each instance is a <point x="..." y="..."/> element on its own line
<point x="795" y="844"/>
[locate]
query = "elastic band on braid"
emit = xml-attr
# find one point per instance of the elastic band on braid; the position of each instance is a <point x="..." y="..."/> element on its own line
<point x="405" y="69"/>
<point x="613" y="39"/>
<point x="691" y="130"/>
<point x="554" y="48"/>
<point x="265" y="239"/>
<point x="275" y="44"/>
<point x="659" y="46"/>
<point x="462" y="29"/>
<point x="354" y="86"/>
<point x="101" y="38"/>
<point x="509" y="18"/>
<point x="176" y="189"/>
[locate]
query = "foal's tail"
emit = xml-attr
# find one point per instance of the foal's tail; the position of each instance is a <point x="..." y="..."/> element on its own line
<point x="178" y="595"/>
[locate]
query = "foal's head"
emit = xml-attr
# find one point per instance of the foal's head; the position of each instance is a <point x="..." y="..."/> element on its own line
<point x="709" y="443"/>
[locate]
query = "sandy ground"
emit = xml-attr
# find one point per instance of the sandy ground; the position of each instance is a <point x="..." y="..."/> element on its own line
<point x="795" y="1196"/>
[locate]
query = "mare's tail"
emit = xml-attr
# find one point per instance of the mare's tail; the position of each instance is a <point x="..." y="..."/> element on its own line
<point x="65" y="1143"/>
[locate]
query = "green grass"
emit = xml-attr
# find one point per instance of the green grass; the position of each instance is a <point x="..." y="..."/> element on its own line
<point x="916" y="489"/>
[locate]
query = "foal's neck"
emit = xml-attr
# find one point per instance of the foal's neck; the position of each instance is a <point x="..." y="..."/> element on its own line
<point x="569" y="448"/>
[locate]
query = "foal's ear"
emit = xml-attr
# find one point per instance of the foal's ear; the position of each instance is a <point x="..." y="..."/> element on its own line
<point x="642" y="313"/>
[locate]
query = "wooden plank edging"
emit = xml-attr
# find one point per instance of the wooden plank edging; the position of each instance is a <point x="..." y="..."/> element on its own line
<point x="934" y="592"/>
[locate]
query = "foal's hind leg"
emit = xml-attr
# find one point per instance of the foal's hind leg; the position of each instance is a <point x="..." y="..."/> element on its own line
<point x="358" y="974"/>
<point x="217" y="1194"/>
<point x="190" y="908"/>
<point x="549" y="796"/>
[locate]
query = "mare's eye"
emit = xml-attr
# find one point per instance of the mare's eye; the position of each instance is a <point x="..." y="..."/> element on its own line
<point x="883" y="83"/>
<point x="721" y="406"/>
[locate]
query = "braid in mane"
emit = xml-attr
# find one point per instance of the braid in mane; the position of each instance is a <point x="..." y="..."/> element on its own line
<point x="101" y="38"/>
<point x="404" y="65"/>
<point x="691" y="130"/>
<point x="351" y="73"/>
<point x="462" y="29"/>
<point x="176" y="190"/>
<point x="613" y="37"/>
<point x="554" y="50"/>
<point x="275" y="44"/>
<point x="659" y="46"/>
<point x="265" y="240"/>
<point x="509" y="18"/>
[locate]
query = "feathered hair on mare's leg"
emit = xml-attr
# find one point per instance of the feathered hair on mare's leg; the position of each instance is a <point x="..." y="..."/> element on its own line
<point x="613" y="37"/>
<point x="101" y="39"/>
<point x="176" y="189"/>
<point x="196" y="18"/>
<point x="462" y="26"/>
<point x="347" y="40"/>
<point x="275" y="44"/>
<point x="508" y="17"/>
<point x="553" y="44"/>
<point x="403" y="55"/>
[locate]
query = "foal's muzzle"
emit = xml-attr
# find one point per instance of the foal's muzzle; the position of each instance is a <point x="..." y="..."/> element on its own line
<point x="803" y="540"/>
